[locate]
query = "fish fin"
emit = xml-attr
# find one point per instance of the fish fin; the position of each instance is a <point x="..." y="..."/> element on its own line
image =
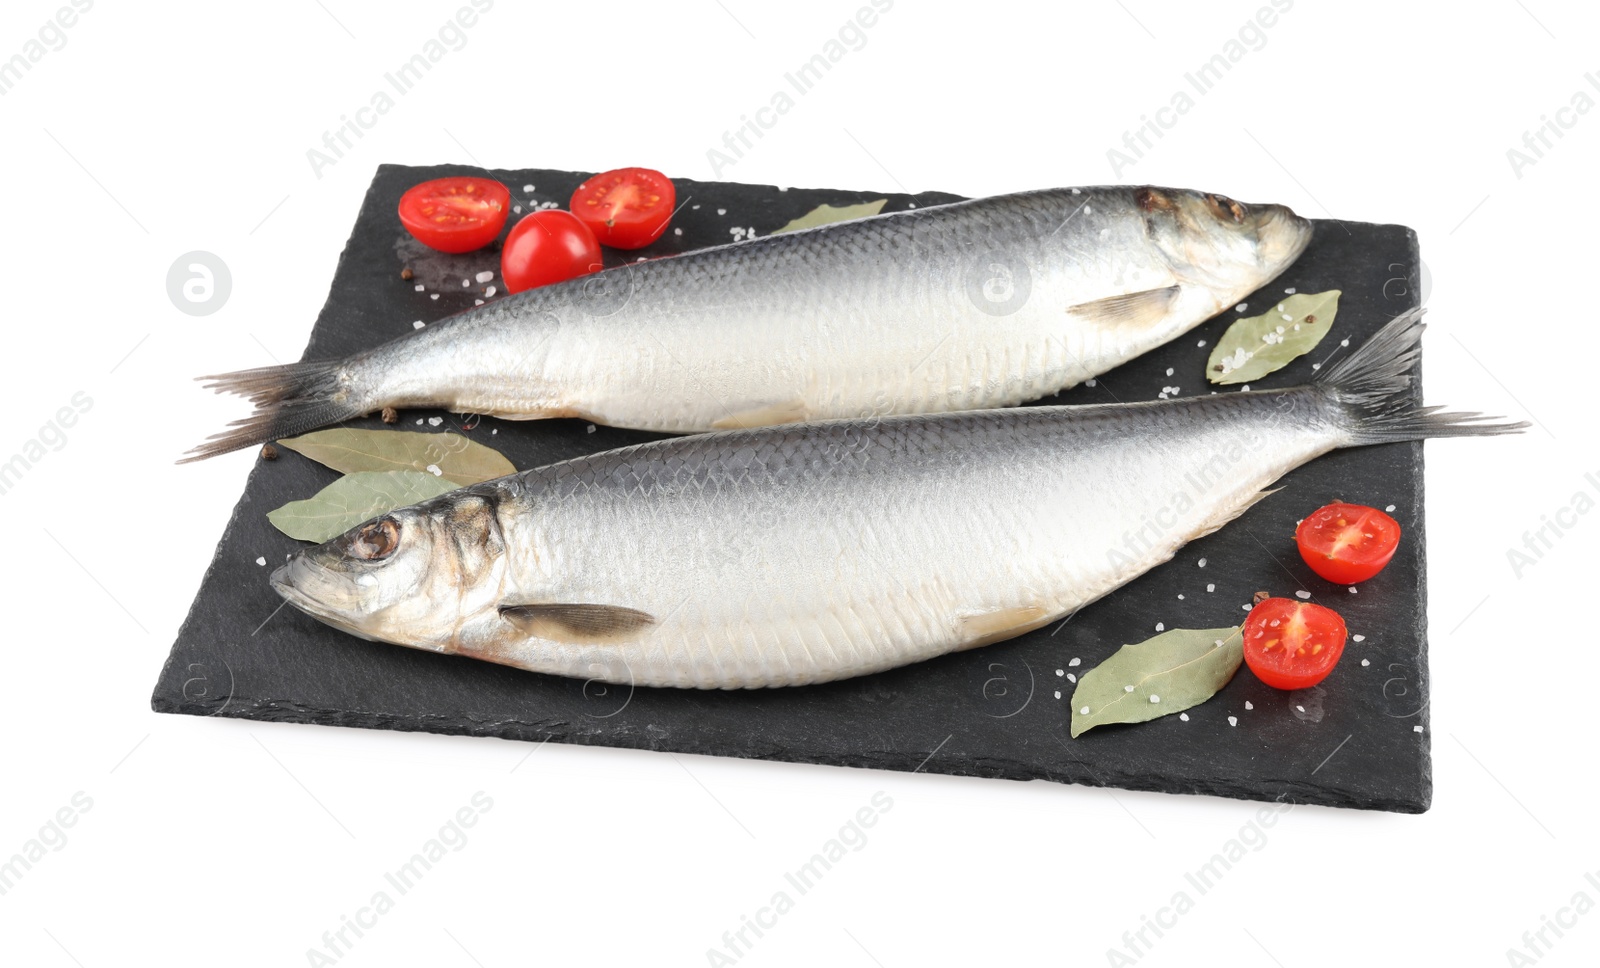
<point x="579" y="624"/>
<point x="1372" y="387"/>
<point x="767" y="415"/>
<point x="290" y="400"/>
<point x="1131" y="309"/>
<point x="1231" y="514"/>
<point x="987" y="628"/>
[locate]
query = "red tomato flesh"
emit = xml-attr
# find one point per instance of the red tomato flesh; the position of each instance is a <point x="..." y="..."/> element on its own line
<point x="1347" y="543"/>
<point x="455" y="214"/>
<point x="1292" y="645"/>
<point x="627" y="208"/>
<point x="545" y="247"/>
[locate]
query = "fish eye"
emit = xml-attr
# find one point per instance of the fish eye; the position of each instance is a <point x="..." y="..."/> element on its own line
<point x="1227" y="209"/>
<point x="375" y="541"/>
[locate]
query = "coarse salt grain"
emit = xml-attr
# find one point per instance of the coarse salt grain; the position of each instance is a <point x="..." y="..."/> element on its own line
<point x="1084" y="711"/>
<point x="477" y="302"/>
<point x="1154" y="698"/>
<point x="1249" y="705"/>
<point x="1352" y="589"/>
<point x="261" y="561"/>
<point x="677" y="231"/>
<point x="1161" y="626"/>
<point x="1169" y="371"/>
<point x="1127" y="688"/>
<point x="1416" y="729"/>
<point x="419" y="287"/>
<point x="1302" y="594"/>
<point x="435" y="421"/>
<point x="1089" y="382"/>
<point x="1184" y="717"/>
<point x="1201" y="562"/>
<point x="1359" y="638"/>
<point x="433" y="295"/>
<point x="484" y="276"/>
<point x="1211" y="588"/>
<point x="1390" y="509"/>
<point x="589" y="429"/>
<point x="1071" y="677"/>
<point x="1241" y="307"/>
<point x="490" y="291"/>
<point x="1077" y="191"/>
<point x="1201" y="343"/>
<point x="1365" y="662"/>
<point x="1061" y="672"/>
<point x="722" y="211"/>
<point x="1180" y="596"/>
<point x="1058" y="693"/>
<point x="527" y="188"/>
<point x="434" y="470"/>
<point x="418" y="324"/>
<point x="1300" y="708"/>
<point x="419" y="421"/>
<point x="465" y="283"/>
<point x="1290" y="290"/>
<point x="1074" y="662"/>
<point x="1233" y="720"/>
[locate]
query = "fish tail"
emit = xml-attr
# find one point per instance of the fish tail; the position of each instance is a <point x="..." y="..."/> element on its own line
<point x="1372" y="388"/>
<point x="290" y="399"/>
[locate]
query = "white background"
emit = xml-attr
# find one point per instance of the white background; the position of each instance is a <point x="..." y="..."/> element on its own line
<point x="164" y="128"/>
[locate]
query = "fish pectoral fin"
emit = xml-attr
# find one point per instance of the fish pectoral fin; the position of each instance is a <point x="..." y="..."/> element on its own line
<point x="579" y="624"/>
<point x="766" y="415"/>
<point x="1132" y="309"/>
<point x="1217" y="521"/>
<point x="986" y="628"/>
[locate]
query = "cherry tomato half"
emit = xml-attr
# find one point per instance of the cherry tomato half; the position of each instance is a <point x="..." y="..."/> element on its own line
<point x="545" y="247"/>
<point x="1347" y="543"/>
<point x="1292" y="645"/>
<point x="455" y="214"/>
<point x="627" y="208"/>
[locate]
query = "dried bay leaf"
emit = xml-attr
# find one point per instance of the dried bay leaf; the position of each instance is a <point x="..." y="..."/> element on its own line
<point x="352" y="449"/>
<point x="355" y="498"/>
<point x="827" y="214"/>
<point x="1254" y="347"/>
<point x="1174" y="671"/>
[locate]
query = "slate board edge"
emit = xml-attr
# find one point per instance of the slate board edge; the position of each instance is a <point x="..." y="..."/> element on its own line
<point x="277" y="711"/>
<point x="272" y="710"/>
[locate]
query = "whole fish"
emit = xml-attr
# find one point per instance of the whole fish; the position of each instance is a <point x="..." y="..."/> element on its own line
<point x="792" y="555"/>
<point x="982" y="303"/>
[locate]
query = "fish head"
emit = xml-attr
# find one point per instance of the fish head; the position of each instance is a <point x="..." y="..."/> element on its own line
<point x="415" y="576"/>
<point x="1213" y="242"/>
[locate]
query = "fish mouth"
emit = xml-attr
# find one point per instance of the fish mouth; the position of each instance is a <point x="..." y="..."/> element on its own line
<point x="1281" y="235"/>
<point x="321" y="592"/>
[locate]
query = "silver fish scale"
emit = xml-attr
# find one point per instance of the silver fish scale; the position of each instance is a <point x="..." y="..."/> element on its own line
<point x="832" y="550"/>
<point x="951" y="307"/>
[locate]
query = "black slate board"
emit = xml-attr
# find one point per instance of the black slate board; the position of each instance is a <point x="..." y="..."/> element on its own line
<point x="1358" y="740"/>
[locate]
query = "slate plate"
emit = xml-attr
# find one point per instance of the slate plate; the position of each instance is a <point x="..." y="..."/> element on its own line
<point x="1359" y="740"/>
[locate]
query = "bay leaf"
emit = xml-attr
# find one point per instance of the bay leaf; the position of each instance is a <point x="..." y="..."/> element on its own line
<point x="826" y="214"/>
<point x="353" y="449"/>
<point x="1254" y="347"/>
<point x="1174" y="671"/>
<point x="355" y="498"/>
